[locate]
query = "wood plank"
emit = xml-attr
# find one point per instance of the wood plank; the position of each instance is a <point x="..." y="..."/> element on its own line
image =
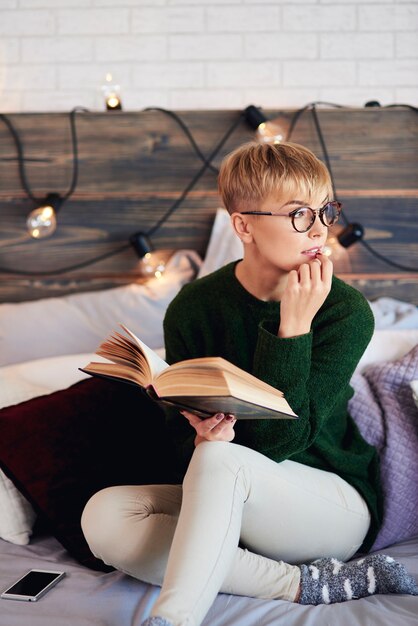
<point x="368" y="149"/>
<point x="402" y="287"/>
<point x="133" y="167"/>
<point x="373" y="286"/>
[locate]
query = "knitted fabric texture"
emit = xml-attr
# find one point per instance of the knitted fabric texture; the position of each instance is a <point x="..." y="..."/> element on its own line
<point x="384" y="410"/>
<point x="156" y="621"/>
<point x="326" y="581"/>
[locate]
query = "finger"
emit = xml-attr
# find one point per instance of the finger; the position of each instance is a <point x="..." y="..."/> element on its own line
<point x="315" y="267"/>
<point x="304" y="273"/>
<point x="191" y="415"/>
<point x="327" y="268"/>
<point x="224" y="431"/>
<point x="192" y="418"/>
<point x="196" y="422"/>
<point x="224" y="421"/>
<point x="292" y="278"/>
<point x="211" y="424"/>
<point x="188" y="414"/>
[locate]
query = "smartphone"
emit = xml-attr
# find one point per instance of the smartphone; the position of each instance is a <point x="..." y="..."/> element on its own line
<point x="33" y="585"/>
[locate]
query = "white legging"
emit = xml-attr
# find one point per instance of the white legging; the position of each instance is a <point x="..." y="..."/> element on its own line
<point x="280" y="514"/>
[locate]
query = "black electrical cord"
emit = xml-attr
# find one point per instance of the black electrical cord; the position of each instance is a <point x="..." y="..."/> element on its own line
<point x="187" y="132"/>
<point x="369" y="248"/>
<point x="326" y="157"/>
<point x="311" y="106"/>
<point x="294" y="121"/>
<point x="197" y="176"/>
<point x="405" y="106"/>
<point x="299" y="113"/>
<point x="399" y="266"/>
<point x="21" y="158"/>
<point x="334" y="105"/>
<point x="152" y="230"/>
<point x="70" y="268"/>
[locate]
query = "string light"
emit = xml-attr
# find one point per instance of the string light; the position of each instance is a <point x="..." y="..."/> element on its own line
<point x="337" y="244"/>
<point x="111" y="93"/>
<point x="152" y="265"/>
<point x="42" y="221"/>
<point x="268" y="131"/>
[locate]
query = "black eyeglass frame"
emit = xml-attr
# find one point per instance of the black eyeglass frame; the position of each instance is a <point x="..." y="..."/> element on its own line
<point x="320" y="212"/>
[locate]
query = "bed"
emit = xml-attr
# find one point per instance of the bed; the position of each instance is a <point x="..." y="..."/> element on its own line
<point x="59" y="439"/>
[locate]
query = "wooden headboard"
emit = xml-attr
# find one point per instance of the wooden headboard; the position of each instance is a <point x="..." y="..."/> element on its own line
<point x="134" y="166"/>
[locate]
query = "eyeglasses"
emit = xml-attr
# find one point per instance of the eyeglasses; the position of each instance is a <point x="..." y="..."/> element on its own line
<point x="303" y="218"/>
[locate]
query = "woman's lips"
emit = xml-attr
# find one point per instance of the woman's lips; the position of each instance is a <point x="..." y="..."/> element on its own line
<point x="312" y="252"/>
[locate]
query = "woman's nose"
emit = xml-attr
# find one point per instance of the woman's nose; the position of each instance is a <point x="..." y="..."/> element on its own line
<point x="318" y="229"/>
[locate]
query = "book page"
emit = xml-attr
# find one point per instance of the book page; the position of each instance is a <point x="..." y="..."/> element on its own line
<point x="221" y="364"/>
<point x="156" y="363"/>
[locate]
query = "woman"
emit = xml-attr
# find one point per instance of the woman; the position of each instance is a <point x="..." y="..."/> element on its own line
<point x="267" y="508"/>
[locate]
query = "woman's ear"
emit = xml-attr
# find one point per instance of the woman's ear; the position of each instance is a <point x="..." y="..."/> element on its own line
<point x="241" y="226"/>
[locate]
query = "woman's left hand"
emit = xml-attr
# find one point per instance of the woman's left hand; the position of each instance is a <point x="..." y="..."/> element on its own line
<point x="219" y="427"/>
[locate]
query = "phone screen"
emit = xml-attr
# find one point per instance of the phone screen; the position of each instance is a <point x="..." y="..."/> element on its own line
<point x="32" y="583"/>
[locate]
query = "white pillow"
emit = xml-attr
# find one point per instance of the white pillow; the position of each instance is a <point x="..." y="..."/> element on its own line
<point x="393" y="313"/>
<point x="23" y="381"/>
<point x="388" y="345"/>
<point x="78" y="323"/>
<point x="224" y="245"/>
<point x="17" y="516"/>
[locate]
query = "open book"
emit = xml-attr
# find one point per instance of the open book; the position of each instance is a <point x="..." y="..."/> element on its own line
<point x="204" y="386"/>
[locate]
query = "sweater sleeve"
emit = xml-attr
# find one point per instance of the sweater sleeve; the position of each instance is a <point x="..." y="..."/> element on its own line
<point x="313" y="371"/>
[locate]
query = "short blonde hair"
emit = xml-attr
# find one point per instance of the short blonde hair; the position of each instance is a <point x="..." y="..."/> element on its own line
<point x="255" y="171"/>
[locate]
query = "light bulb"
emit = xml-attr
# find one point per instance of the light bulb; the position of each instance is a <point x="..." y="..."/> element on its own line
<point x="111" y="93"/>
<point x="339" y="255"/>
<point x="152" y="265"/>
<point x="41" y="222"/>
<point x="267" y="131"/>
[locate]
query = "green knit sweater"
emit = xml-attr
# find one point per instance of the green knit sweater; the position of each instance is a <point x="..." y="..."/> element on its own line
<point x="216" y="316"/>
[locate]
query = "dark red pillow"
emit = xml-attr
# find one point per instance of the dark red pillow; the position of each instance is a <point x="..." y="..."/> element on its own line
<point x="61" y="448"/>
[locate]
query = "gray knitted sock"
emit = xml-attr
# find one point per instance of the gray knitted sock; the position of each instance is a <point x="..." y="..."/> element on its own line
<point x="156" y="621"/>
<point x="328" y="580"/>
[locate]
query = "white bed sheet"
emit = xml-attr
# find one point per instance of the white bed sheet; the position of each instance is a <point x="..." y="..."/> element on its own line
<point x="89" y="598"/>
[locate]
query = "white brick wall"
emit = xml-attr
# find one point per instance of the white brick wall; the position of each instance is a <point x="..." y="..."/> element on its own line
<point x="187" y="54"/>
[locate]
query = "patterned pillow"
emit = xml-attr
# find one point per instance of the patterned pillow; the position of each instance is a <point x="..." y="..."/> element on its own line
<point x="385" y="412"/>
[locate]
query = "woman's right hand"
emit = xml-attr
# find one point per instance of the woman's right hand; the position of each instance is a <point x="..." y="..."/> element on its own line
<point x="305" y="293"/>
<point x="219" y="427"/>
